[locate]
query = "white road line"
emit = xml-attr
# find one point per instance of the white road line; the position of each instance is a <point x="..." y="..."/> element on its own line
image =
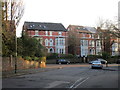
<point x="81" y="82"/>
<point x="75" y="83"/>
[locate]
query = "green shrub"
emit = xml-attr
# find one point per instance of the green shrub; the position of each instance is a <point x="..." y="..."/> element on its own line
<point x="105" y="55"/>
<point x="42" y="59"/>
<point x="115" y="57"/>
<point x="56" y="56"/>
<point x="52" y="56"/>
<point x="36" y="58"/>
<point x="27" y="58"/>
<point x="69" y="56"/>
<point x="19" y="56"/>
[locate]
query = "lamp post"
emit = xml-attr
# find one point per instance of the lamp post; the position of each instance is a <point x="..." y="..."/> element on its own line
<point x="16" y="55"/>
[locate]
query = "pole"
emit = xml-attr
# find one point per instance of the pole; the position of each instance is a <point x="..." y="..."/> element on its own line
<point x="16" y="55"/>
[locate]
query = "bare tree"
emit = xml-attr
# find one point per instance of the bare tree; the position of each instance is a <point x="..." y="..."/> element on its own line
<point x="12" y="11"/>
<point x="106" y="33"/>
<point x="17" y="11"/>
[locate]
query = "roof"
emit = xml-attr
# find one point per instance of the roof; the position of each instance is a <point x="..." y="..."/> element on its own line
<point x="44" y="26"/>
<point x="84" y="29"/>
<point x="91" y="29"/>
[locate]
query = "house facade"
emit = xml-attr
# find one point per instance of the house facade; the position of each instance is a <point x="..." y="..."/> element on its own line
<point x="110" y="43"/>
<point x="94" y="41"/>
<point x="89" y="40"/>
<point x="51" y="35"/>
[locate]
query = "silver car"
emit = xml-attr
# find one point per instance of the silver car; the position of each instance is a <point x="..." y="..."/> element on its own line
<point x="102" y="60"/>
<point x="96" y="64"/>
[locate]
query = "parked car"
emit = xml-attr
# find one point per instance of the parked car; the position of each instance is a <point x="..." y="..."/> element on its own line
<point x="62" y="61"/>
<point x="96" y="64"/>
<point x="102" y="60"/>
<point x="90" y="62"/>
<point x="118" y="61"/>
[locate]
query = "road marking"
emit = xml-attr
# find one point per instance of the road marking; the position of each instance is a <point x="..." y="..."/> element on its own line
<point x="81" y="82"/>
<point x="56" y="83"/>
<point x="75" y="86"/>
<point x="75" y="83"/>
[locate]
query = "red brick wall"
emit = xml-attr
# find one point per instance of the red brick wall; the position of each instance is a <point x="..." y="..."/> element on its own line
<point x="32" y="32"/>
<point x="43" y="36"/>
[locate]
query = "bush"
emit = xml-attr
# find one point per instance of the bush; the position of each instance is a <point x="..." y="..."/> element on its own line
<point x="96" y="56"/>
<point x="115" y="57"/>
<point x="69" y="56"/>
<point x="19" y="56"/>
<point x="52" y="56"/>
<point x="36" y="58"/>
<point x="27" y="58"/>
<point x="105" y="55"/>
<point x="43" y="59"/>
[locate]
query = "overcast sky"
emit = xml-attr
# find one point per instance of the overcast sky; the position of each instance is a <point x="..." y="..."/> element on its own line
<point x="75" y="12"/>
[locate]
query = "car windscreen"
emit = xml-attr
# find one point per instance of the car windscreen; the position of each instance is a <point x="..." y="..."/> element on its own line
<point x="96" y="62"/>
<point x="62" y="60"/>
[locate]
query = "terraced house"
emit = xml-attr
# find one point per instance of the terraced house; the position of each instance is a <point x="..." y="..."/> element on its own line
<point x="52" y="35"/>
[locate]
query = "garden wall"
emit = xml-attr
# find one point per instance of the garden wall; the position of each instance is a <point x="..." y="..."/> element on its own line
<point x="9" y="64"/>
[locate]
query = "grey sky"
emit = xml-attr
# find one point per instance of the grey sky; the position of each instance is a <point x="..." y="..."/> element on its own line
<point x="75" y="12"/>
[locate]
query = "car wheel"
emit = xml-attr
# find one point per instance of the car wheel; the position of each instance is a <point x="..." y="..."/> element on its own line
<point x="92" y="68"/>
<point x="59" y="63"/>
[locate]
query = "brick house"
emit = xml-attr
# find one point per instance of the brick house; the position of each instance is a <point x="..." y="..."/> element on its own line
<point x="112" y="41"/>
<point x="51" y="35"/>
<point x="89" y="40"/>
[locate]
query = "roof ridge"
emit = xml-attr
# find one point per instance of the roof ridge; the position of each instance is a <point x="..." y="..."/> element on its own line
<point x="45" y="26"/>
<point x="41" y="22"/>
<point x="81" y="26"/>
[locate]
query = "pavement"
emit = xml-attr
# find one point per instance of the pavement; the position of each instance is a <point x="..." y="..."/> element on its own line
<point x="49" y="67"/>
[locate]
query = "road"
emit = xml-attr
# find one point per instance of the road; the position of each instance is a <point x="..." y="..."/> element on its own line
<point x="67" y="76"/>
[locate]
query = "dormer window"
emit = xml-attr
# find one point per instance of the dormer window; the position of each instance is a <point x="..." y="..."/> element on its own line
<point x="44" y="26"/>
<point x="31" y="26"/>
<point x="40" y="26"/>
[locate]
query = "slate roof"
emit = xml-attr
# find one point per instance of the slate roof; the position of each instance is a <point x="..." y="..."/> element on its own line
<point x="91" y="29"/>
<point x="44" y="26"/>
<point x="85" y="29"/>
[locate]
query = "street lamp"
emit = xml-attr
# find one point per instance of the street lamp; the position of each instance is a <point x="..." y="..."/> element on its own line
<point x="16" y="55"/>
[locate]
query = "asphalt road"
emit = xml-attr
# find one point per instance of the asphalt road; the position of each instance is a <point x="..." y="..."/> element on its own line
<point x="67" y="76"/>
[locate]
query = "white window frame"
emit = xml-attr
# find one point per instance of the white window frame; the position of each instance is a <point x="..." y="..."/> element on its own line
<point x="60" y="33"/>
<point x="46" y="32"/>
<point x="51" y="42"/>
<point x="93" y="43"/>
<point x="92" y="35"/>
<point x="56" y="41"/>
<point x="50" y="33"/>
<point x="46" y="42"/>
<point x="36" y="32"/>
